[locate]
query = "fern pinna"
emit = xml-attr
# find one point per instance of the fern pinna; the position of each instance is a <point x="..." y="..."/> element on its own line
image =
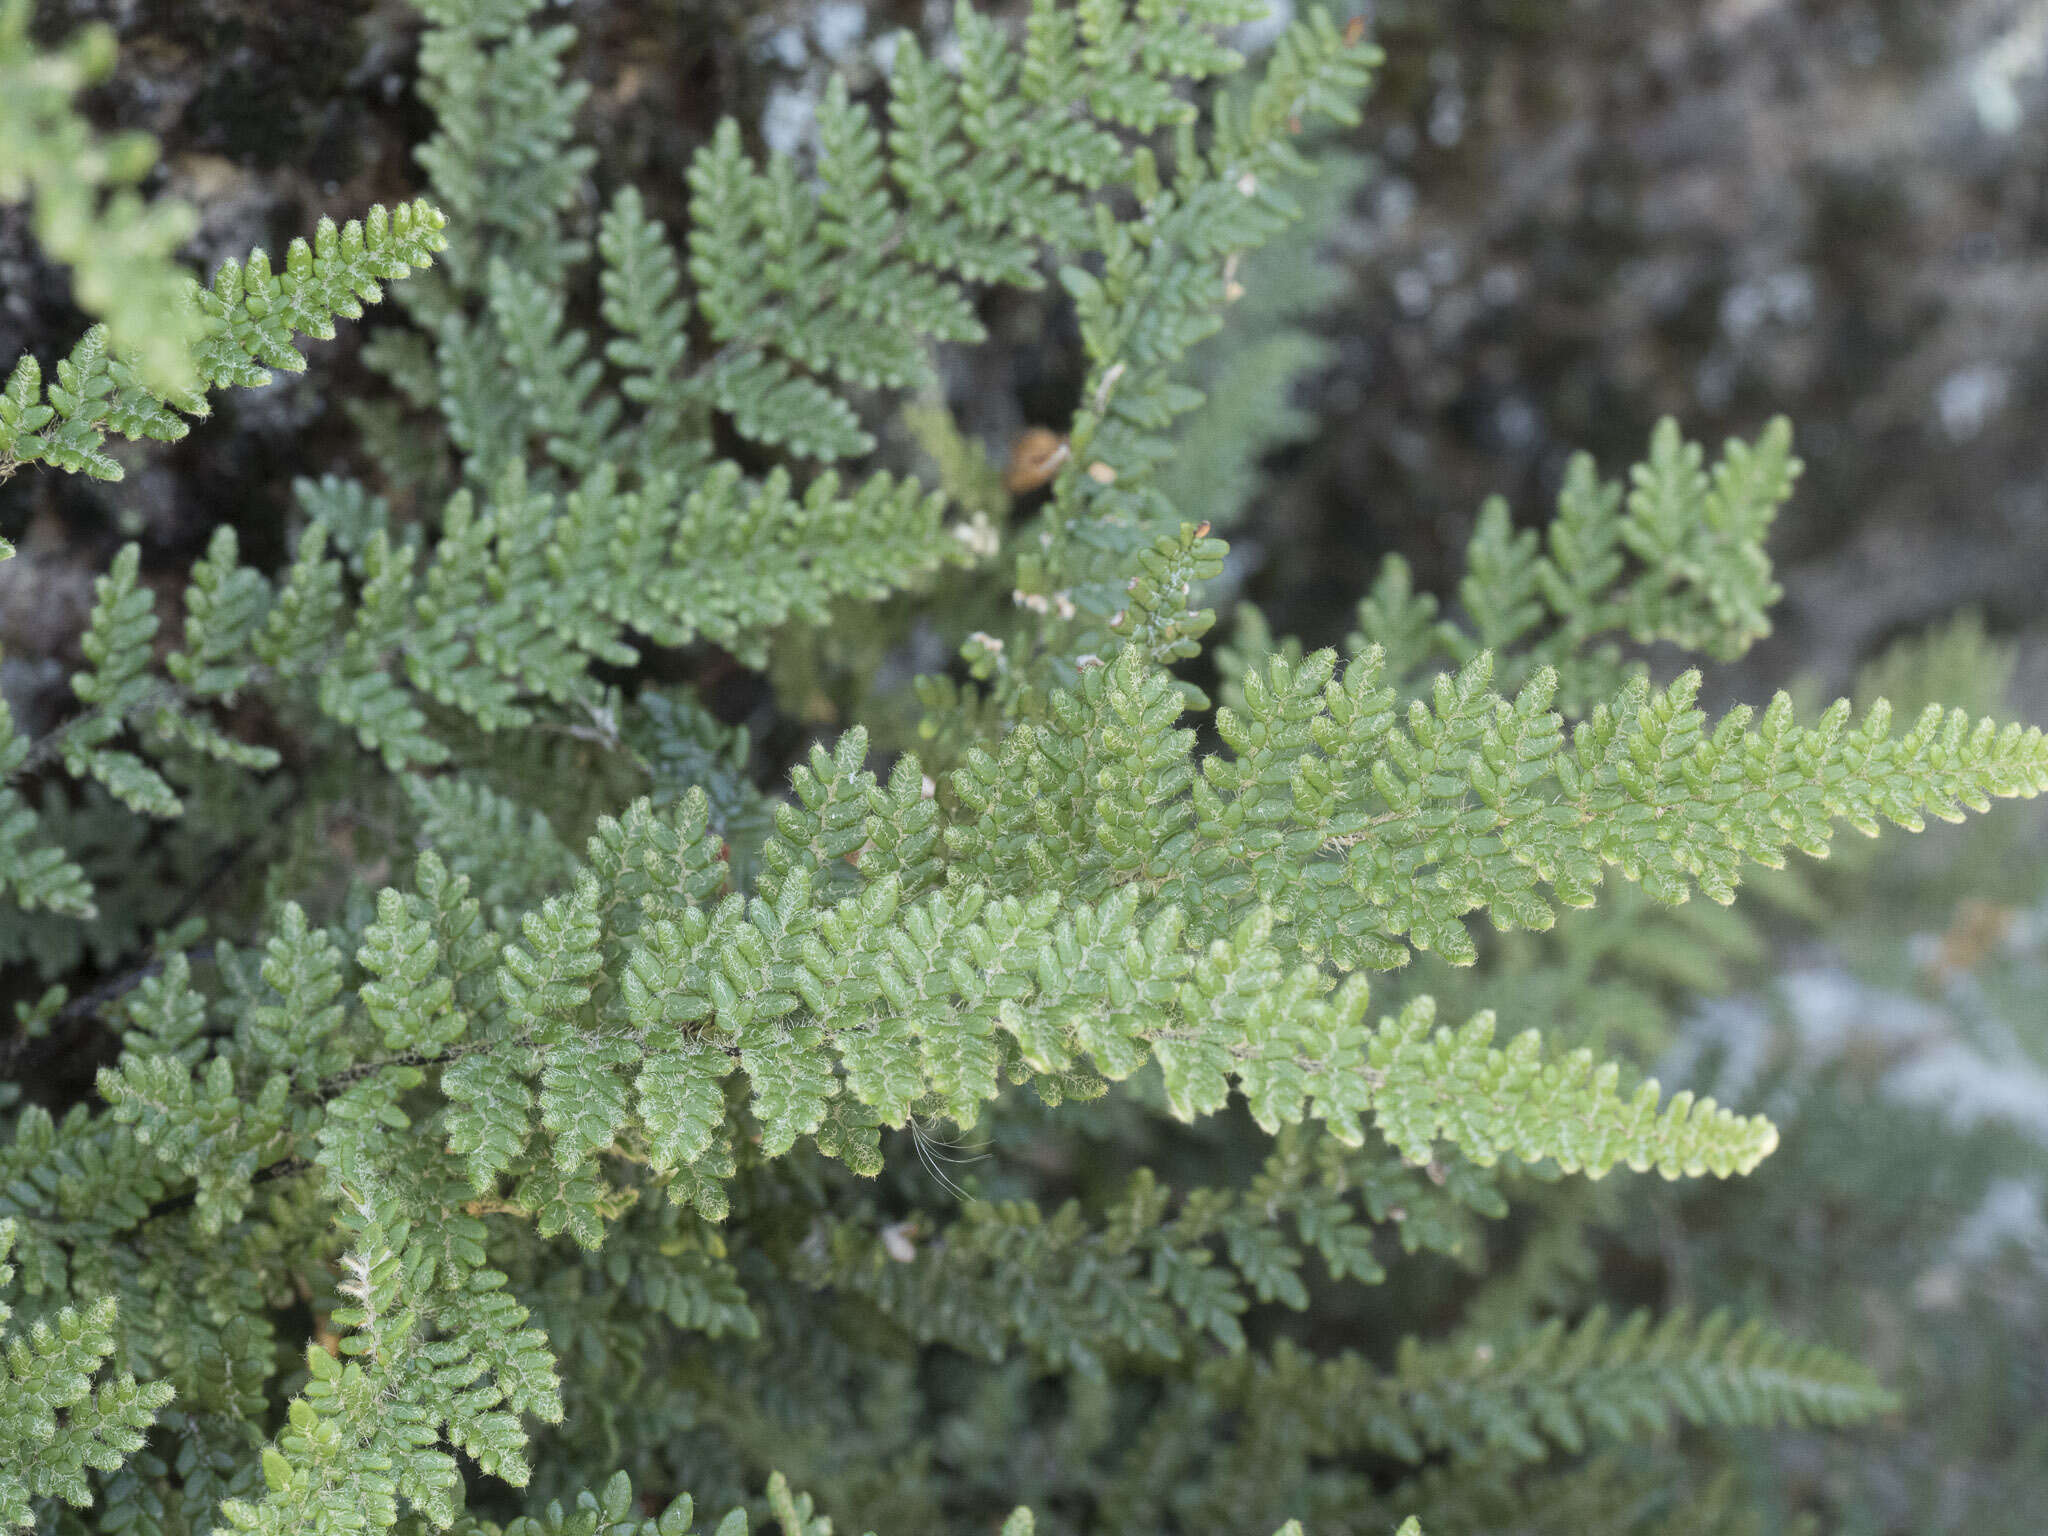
<point x="535" y="1097"/>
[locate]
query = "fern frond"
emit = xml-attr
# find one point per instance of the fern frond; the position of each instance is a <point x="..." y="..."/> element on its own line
<point x="1556" y="1389"/>
<point x="1373" y="826"/>
<point x="1160" y="292"/>
<point x="36" y="877"/>
<point x="60" y="1412"/>
<point x="1143" y="1279"/>
<point x="245" y="326"/>
<point x="1699" y="577"/>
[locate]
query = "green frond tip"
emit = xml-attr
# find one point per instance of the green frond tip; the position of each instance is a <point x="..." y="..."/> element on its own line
<point x="1558" y="1388"/>
<point x="61" y="1414"/>
<point x="1490" y="1102"/>
<point x="244" y="325"/>
<point x="1569" y="1384"/>
<point x="1471" y="801"/>
<point x="1676" y="556"/>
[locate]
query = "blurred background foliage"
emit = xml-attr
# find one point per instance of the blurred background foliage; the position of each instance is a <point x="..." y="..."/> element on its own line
<point x="1562" y="219"/>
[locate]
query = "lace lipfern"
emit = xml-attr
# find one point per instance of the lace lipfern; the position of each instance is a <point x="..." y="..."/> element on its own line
<point x="533" y="1110"/>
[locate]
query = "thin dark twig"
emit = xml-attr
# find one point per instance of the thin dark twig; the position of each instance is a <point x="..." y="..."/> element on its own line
<point x="285" y="1169"/>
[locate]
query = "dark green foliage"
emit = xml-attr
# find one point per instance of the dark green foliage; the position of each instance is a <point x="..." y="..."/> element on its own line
<point x="553" y="1111"/>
